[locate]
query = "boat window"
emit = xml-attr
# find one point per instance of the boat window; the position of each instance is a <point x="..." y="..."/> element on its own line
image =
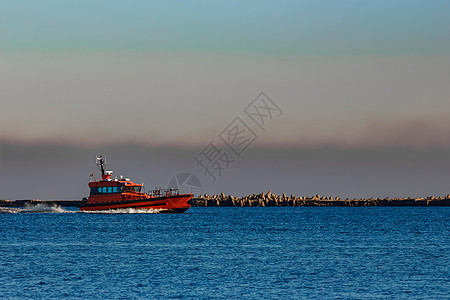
<point x="137" y="188"/>
<point x="109" y="189"/>
<point x="99" y="190"/>
<point x="93" y="191"/>
<point x="114" y="189"/>
<point x="128" y="189"/>
<point x="104" y="189"/>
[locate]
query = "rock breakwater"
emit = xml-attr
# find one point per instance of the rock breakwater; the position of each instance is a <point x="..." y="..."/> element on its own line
<point x="270" y="199"/>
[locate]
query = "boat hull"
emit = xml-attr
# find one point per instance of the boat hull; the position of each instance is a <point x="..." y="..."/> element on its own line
<point x="165" y="204"/>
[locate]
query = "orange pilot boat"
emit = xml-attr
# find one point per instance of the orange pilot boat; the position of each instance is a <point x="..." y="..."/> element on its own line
<point x="112" y="194"/>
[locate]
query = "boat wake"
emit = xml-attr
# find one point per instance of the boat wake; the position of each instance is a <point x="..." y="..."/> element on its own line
<point x="45" y="208"/>
<point x="8" y="210"/>
<point x="123" y="211"/>
<point x="37" y="208"/>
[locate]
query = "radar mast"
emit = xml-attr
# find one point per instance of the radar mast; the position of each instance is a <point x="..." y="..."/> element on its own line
<point x="101" y="164"/>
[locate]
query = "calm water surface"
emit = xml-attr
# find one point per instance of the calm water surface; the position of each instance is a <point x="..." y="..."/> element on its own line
<point x="276" y="252"/>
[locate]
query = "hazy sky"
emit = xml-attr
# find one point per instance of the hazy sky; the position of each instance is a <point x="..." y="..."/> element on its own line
<point x="173" y="74"/>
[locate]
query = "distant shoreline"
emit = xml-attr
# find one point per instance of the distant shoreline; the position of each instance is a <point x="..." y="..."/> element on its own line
<point x="263" y="200"/>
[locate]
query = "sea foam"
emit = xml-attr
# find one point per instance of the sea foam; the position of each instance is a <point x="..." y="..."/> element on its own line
<point x="124" y="211"/>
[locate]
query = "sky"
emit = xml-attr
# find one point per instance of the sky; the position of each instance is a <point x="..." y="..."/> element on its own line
<point x="362" y="87"/>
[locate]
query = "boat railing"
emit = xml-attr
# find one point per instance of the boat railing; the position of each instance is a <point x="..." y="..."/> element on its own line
<point x="163" y="192"/>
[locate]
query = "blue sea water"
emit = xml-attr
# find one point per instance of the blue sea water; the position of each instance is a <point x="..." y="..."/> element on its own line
<point x="228" y="252"/>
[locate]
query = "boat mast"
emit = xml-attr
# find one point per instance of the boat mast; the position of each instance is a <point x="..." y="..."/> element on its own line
<point x="101" y="164"/>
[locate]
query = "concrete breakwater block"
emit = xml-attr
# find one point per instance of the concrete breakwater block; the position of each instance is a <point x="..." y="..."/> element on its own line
<point x="270" y="199"/>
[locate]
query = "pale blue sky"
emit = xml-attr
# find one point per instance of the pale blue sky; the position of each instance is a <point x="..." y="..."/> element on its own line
<point x="352" y="75"/>
<point x="351" y="62"/>
<point x="270" y="27"/>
